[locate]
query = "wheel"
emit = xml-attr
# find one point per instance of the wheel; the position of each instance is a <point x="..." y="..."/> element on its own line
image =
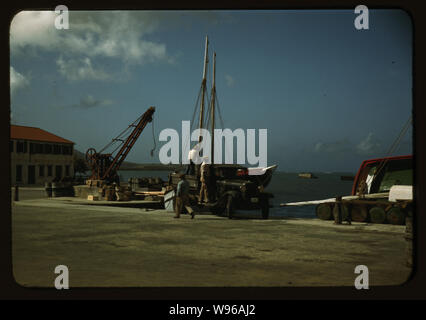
<point x="324" y="211"/>
<point x="229" y="209"/>
<point x="264" y="207"/>
<point x="377" y="215"/>
<point x="90" y="156"/>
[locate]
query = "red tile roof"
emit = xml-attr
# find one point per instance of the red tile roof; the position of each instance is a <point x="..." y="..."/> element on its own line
<point x="35" y="134"/>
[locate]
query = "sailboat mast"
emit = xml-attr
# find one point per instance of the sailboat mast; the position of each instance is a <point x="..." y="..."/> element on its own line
<point x="203" y="85"/>
<point x="213" y="106"/>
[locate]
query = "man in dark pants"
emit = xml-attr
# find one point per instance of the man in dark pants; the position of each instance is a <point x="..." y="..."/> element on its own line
<point x="182" y="197"/>
<point x="191" y="168"/>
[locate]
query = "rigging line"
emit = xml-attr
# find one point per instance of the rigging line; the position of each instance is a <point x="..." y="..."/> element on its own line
<point x="114" y="140"/>
<point x="219" y="113"/>
<point x="206" y="118"/>
<point x="399" y="137"/>
<point x="394" y="145"/>
<point x="401" y="134"/>
<point x="209" y="110"/>
<point x="222" y="124"/>
<point x="196" y="108"/>
<point x="193" y="119"/>
<point x="153" y="138"/>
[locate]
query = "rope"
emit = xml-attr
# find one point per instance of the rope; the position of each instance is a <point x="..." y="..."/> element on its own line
<point x="193" y="118"/>
<point x="121" y="134"/>
<point x="219" y="113"/>
<point x="153" y="138"/>
<point x="394" y="146"/>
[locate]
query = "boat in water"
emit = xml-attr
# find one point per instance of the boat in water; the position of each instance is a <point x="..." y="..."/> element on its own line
<point x="307" y="175"/>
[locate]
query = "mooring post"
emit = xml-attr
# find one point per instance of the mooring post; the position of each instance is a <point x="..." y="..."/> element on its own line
<point x="337" y="212"/>
<point x="16" y="193"/>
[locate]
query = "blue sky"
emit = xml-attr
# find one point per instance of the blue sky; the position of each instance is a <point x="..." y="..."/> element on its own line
<point x="330" y="95"/>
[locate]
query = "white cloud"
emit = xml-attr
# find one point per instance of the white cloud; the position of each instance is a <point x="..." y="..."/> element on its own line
<point x="369" y="145"/>
<point x="17" y="80"/>
<point x="229" y="80"/>
<point x="339" y="146"/>
<point x="90" y="102"/>
<point x="33" y="28"/>
<point x="95" y="34"/>
<point x="80" y="69"/>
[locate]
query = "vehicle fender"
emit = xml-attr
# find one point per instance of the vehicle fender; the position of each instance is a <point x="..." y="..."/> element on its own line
<point x="225" y="196"/>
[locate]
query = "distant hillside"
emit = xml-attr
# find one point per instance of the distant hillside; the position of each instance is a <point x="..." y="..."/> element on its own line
<point x="126" y="165"/>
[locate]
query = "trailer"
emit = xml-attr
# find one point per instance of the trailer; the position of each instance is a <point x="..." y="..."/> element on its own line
<point x="382" y="192"/>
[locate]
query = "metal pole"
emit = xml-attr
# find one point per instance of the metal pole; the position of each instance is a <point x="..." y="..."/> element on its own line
<point x="338" y="211"/>
<point x="203" y="84"/>
<point x="16" y="193"/>
<point x="213" y="105"/>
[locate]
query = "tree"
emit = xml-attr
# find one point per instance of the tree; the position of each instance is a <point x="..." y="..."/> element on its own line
<point x="80" y="166"/>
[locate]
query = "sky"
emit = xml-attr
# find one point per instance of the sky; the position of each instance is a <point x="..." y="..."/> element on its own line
<point x="329" y="95"/>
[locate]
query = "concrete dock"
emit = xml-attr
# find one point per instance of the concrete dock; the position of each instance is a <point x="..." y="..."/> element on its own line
<point x="106" y="246"/>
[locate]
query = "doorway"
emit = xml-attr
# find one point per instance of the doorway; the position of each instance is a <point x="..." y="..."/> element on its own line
<point x="31" y="174"/>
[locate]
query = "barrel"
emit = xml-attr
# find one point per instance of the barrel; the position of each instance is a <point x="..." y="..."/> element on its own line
<point x="324" y="211"/>
<point x="359" y="213"/>
<point x="377" y="215"/>
<point x="345" y="211"/>
<point x="56" y="189"/>
<point x="48" y="189"/>
<point x="409" y="240"/>
<point x="109" y="194"/>
<point x="395" y="215"/>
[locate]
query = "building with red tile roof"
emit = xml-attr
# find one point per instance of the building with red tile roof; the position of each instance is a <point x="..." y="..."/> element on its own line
<point x="35" y="134"/>
<point x="39" y="156"/>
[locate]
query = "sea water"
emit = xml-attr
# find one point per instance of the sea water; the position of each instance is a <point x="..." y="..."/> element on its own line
<point x="286" y="187"/>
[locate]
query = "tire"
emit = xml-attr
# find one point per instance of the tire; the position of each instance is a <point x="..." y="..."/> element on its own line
<point x="229" y="209"/>
<point x="324" y="211"/>
<point x="264" y="207"/>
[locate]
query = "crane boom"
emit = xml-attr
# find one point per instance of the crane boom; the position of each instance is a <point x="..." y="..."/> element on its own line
<point x="127" y="146"/>
<point x="104" y="167"/>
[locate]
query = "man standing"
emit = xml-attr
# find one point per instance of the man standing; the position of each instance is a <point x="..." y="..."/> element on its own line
<point x="182" y="197"/>
<point x="205" y="181"/>
<point x="193" y="157"/>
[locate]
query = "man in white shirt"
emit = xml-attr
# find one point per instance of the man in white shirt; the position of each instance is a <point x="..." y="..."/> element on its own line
<point x="193" y="156"/>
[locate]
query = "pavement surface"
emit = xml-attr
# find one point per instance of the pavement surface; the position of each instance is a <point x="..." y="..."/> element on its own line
<point x="106" y="246"/>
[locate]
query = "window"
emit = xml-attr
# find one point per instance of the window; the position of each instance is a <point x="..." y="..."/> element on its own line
<point x="18" y="173"/>
<point x="41" y="171"/>
<point x="393" y="172"/>
<point x="49" y="171"/>
<point x="39" y="148"/>
<point x="67" y="171"/>
<point x="48" y="148"/>
<point x="66" y="149"/>
<point x="21" y="146"/>
<point x="56" y="149"/>
<point x="58" y="172"/>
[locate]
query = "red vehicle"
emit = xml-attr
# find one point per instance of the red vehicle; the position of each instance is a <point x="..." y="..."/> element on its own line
<point x="381" y="193"/>
<point x="381" y="174"/>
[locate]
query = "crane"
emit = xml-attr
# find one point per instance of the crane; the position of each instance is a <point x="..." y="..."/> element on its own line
<point x="104" y="166"/>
